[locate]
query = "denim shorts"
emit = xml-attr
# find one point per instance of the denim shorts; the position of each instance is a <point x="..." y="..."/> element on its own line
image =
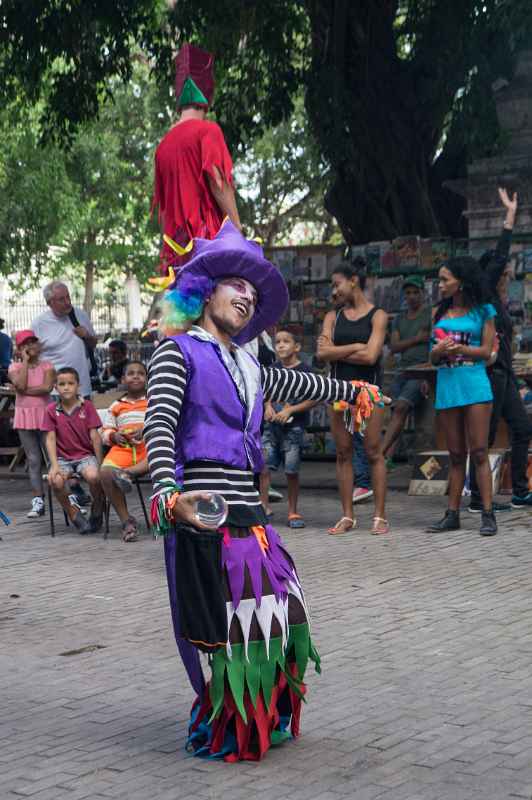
<point x="408" y="390"/>
<point x="69" y="467"/>
<point x="282" y="446"/>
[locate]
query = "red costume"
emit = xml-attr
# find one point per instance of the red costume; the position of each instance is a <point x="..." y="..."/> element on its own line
<point x="187" y="154"/>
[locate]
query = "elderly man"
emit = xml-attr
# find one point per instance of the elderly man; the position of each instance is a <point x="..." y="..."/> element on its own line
<point x="66" y="333"/>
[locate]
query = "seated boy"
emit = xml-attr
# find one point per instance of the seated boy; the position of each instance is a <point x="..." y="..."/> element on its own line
<point x="74" y="446"/>
<point x="283" y="431"/>
<point x="127" y="457"/>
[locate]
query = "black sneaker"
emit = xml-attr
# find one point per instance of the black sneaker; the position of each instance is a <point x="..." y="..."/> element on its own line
<point x="488" y="525"/>
<point x="476" y="507"/>
<point x="450" y="522"/>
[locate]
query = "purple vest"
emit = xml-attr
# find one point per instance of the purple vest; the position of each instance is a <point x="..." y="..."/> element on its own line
<point x="214" y="424"/>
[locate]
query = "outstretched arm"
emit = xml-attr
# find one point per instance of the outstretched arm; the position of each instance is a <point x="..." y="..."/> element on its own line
<point x="289" y="385"/>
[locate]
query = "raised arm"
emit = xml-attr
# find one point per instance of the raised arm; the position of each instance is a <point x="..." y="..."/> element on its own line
<point x="495" y="266"/>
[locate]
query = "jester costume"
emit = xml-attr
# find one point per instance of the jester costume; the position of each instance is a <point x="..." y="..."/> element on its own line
<point x="235" y="592"/>
<point x="188" y="154"/>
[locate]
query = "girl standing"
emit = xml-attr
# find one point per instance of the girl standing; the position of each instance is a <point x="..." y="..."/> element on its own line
<point x="352" y="339"/>
<point x="33" y="380"/>
<point x="463" y="338"/>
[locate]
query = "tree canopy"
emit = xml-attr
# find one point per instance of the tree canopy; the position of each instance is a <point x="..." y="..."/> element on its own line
<point x="398" y="92"/>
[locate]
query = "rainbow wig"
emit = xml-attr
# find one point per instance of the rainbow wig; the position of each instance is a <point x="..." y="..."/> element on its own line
<point x="183" y="304"/>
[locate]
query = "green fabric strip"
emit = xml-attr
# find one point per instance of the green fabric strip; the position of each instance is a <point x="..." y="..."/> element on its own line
<point x="259" y="673"/>
<point x="191" y="94"/>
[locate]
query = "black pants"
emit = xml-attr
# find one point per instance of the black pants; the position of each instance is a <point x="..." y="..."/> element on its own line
<point x="507" y="403"/>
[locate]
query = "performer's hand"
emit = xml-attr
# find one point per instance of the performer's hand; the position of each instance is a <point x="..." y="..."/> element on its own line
<point x="184" y="509"/>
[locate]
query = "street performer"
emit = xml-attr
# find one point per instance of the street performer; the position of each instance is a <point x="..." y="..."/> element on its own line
<point x="193" y="167"/>
<point x="234" y="592"/>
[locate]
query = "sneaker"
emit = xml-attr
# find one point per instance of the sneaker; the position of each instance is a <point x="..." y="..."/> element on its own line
<point x="122" y="480"/>
<point x="37" y="508"/>
<point x="81" y="524"/>
<point x="274" y="495"/>
<point x="360" y="494"/>
<point x="522" y="502"/>
<point x="73" y="500"/>
<point x="476" y="507"/>
<point x="488" y="525"/>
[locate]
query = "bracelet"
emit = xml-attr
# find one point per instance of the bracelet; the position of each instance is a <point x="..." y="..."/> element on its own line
<point x="161" y="508"/>
<point x="357" y="414"/>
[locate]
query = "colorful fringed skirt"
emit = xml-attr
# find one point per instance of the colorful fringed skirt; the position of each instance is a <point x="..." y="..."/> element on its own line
<point x="253" y="697"/>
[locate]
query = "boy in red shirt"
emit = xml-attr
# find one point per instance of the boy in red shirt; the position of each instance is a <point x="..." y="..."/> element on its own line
<point x="74" y="446"/>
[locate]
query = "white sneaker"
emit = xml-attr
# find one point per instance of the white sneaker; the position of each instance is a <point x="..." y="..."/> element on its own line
<point x="361" y="494"/>
<point x="274" y="495"/>
<point x="37" y="508"/>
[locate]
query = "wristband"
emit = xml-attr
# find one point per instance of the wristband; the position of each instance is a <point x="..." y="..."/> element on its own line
<point x="356" y="414"/>
<point x="162" y="506"/>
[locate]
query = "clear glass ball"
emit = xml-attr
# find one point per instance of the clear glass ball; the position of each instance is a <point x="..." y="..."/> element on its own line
<point x="212" y="512"/>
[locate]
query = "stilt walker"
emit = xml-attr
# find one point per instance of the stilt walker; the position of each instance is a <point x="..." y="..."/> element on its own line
<point x="193" y="167"/>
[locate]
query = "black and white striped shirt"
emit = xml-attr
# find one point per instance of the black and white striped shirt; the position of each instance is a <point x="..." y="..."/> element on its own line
<point x="167" y="380"/>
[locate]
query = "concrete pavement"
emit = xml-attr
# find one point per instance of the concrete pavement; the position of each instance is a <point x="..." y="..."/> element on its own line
<point x="426" y="644"/>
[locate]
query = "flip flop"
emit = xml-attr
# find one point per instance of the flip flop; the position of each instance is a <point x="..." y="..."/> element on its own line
<point x="337" y="530"/>
<point x="296" y="521"/>
<point x="129" y="530"/>
<point x="380" y="526"/>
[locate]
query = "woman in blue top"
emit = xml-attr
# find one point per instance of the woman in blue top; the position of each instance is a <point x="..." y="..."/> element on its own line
<point x="463" y="336"/>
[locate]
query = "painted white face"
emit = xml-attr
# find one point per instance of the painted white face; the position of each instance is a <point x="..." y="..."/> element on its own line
<point x="232" y="304"/>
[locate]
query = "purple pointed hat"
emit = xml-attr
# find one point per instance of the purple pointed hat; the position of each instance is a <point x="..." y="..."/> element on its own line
<point x="231" y="254"/>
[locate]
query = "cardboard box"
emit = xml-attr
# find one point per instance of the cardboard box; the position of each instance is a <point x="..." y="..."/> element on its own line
<point x="430" y="473"/>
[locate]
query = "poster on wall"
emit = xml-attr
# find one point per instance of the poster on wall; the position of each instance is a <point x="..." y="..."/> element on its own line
<point x="407" y="255"/>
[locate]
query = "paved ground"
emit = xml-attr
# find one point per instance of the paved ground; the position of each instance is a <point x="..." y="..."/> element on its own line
<point x="426" y="689"/>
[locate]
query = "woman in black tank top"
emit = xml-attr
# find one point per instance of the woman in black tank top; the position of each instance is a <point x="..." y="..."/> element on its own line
<point x="351" y="341"/>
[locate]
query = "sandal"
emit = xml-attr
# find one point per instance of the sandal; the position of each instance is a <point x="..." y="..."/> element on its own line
<point x="129" y="530"/>
<point x="380" y="526"/>
<point x="340" y="528"/>
<point x="296" y="521"/>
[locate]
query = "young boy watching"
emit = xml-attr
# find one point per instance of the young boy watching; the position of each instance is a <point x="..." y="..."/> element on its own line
<point x="127" y="457"/>
<point x="73" y="445"/>
<point x="283" y="431"/>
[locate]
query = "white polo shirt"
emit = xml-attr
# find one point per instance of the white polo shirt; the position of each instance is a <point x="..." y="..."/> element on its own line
<point x="62" y="347"/>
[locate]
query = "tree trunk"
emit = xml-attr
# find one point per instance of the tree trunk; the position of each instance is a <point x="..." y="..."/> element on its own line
<point x="378" y="119"/>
